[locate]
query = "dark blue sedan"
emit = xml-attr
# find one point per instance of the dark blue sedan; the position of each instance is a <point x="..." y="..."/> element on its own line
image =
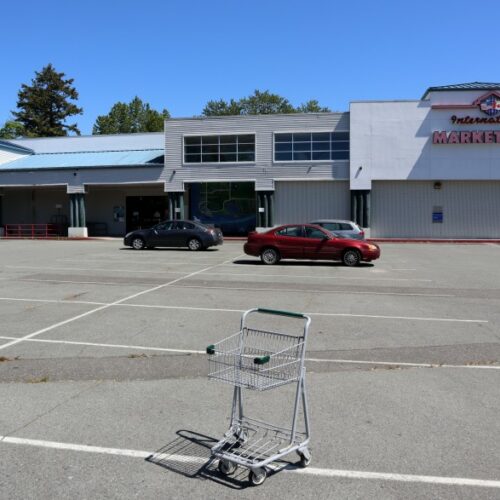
<point x="175" y="233"/>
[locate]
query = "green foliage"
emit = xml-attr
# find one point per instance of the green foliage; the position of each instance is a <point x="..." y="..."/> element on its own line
<point x="136" y="116"/>
<point x="260" y="103"/>
<point x="11" y="130"/>
<point x="223" y="108"/>
<point x="45" y="105"/>
<point x="312" y="106"/>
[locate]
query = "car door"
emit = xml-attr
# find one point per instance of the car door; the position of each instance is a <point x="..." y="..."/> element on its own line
<point x="160" y="234"/>
<point x="316" y="245"/>
<point x="288" y="240"/>
<point x="185" y="231"/>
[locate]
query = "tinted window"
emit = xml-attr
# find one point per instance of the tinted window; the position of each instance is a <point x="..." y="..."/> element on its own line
<point x="164" y="226"/>
<point x="290" y="231"/>
<point x="331" y="226"/>
<point x="219" y="148"/>
<point x="312" y="232"/>
<point x="316" y="146"/>
<point x="345" y="227"/>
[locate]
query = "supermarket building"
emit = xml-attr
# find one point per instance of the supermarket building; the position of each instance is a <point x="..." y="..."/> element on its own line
<point x="427" y="168"/>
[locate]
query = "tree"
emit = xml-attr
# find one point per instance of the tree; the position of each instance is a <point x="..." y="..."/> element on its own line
<point x="136" y="116"/>
<point x="11" y="130"/>
<point x="45" y="105"/>
<point x="312" y="106"/>
<point x="260" y="103"/>
<point x="222" y="108"/>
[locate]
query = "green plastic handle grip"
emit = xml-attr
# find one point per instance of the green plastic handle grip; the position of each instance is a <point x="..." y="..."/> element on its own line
<point x="211" y="349"/>
<point x="281" y="313"/>
<point x="262" y="360"/>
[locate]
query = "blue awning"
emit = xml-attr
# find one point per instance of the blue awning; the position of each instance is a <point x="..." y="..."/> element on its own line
<point x="151" y="157"/>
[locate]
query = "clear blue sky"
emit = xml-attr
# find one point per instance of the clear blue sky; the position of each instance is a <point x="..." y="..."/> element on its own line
<point x="180" y="54"/>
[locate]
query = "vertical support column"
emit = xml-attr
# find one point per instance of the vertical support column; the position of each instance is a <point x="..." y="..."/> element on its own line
<point x="361" y="207"/>
<point x="367" y="208"/>
<point x="271" y="209"/>
<point x="78" y="219"/>
<point x="171" y="214"/>
<point x="82" y="217"/>
<point x="181" y="206"/>
<point x="266" y="210"/>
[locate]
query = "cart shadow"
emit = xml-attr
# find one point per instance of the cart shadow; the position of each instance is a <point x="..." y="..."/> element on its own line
<point x="189" y="455"/>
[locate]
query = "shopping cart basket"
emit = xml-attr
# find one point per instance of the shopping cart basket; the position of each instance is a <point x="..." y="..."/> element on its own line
<point x="260" y="360"/>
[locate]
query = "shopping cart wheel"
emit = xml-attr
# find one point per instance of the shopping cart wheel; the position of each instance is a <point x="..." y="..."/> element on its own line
<point x="226" y="467"/>
<point x="305" y="457"/>
<point x="257" y="476"/>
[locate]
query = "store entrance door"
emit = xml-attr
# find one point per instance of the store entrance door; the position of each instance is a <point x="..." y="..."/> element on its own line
<point x="145" y="211"/>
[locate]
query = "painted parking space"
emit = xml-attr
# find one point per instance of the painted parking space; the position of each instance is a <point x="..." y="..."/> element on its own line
<point x="401" y="356"/>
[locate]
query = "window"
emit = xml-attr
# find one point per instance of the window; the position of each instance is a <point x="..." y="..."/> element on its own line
<point x="311" y="146"/>
<point x="166" y="226"/>
<point x="290" y="231"/>
<point x="312" y="232"/>
<point x="219" y="149"/>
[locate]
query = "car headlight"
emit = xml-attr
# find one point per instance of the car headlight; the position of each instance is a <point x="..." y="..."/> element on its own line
<point x="372" y="247"/>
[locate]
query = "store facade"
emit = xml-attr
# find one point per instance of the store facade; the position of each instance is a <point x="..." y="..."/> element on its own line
<point x="427" y="168"/>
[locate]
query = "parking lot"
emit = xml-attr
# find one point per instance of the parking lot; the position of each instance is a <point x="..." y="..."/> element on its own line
<point x="103" y="372"/>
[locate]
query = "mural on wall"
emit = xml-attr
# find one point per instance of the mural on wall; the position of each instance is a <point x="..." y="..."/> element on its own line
<point x="227" y="205"/>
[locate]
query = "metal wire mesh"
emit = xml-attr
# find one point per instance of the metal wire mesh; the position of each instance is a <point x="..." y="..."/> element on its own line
<point x="233" y="360"/>
<point x="250" y="441"/>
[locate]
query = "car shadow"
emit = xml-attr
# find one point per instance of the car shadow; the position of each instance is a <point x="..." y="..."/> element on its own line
<point x="170" y="249"/>
<point x="301" y="263"/>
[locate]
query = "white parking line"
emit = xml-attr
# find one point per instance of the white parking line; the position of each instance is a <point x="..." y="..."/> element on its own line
<point x="311" y="360"/>
<point x="223" y="310"/>
<point x="101" y="308"/>
<point x="314" y="471"/>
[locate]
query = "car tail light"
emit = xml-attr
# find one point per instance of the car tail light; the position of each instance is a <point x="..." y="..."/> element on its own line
<point x="362" y="234"/>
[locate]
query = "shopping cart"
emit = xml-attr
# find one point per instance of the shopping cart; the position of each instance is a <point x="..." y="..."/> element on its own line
<point x="260" y="360"/>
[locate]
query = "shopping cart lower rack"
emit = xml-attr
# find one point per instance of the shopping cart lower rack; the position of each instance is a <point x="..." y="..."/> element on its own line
<point x="260" y="360"/>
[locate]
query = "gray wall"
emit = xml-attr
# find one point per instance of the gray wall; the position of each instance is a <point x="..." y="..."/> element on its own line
<point x="471" y="209"/>
<point x="263" y="171"/>
<point x="305" y="201"/>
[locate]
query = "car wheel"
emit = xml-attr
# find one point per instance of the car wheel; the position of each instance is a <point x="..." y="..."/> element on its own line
<point x="270" y="256"/>
<point x="351" y="257"/>
<point x="194" y="244"/>
<point x="138" y="243"/>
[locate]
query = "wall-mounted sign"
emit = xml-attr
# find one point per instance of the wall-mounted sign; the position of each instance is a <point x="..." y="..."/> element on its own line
<point x="437" y="215"/>
<point x="488" y="104"/>
<point x="463" y="137"/>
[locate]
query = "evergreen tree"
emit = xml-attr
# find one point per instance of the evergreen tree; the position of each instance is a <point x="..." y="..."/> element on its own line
<point x="11" y="130"/>
<point x="45" y="105"/>
<point x="260" y="103"/>
<point x="312" y="106"/>
<point x="136" y="116"/>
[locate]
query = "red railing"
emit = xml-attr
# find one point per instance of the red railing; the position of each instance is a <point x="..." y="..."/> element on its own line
<point x="32" y="231"/>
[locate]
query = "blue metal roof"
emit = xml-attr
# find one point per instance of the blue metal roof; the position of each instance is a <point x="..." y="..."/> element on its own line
<point x="86" y="160"/>
<point x="463" y="86"/>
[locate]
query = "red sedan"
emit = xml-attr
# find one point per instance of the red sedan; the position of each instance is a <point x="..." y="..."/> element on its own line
<point x="306" y="241"/>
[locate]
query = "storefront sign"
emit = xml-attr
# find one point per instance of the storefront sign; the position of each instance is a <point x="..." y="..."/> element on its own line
<point x="463" y="137"/>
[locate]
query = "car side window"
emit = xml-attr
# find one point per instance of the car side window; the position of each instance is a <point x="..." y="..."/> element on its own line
<point x="312" y="232"/>
<point x="345" y="227"/>
<point x="188" y="225"/>
<point x="164" y="227"/>
<point x="331" y="226"/>
<point x="290" y="231"/>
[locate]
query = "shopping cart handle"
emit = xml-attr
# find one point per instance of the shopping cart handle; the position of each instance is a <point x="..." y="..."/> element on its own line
<point x="280" y="313"/>
<point x="211" y="349"/>
<point x="262" y="360"/>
